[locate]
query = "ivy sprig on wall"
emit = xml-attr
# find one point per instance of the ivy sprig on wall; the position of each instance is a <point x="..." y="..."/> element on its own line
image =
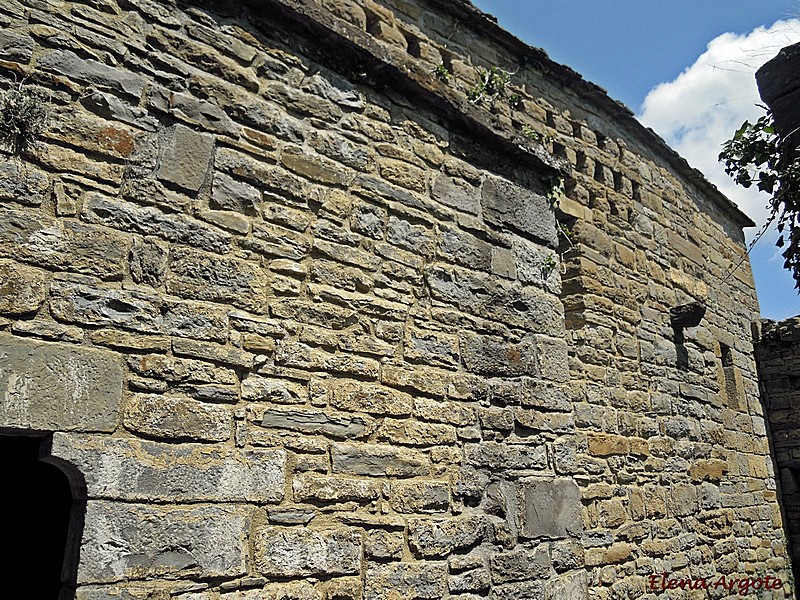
<point x="758" y="155"/>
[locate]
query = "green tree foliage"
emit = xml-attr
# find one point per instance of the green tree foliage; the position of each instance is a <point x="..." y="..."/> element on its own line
<point x="758" y="155"/>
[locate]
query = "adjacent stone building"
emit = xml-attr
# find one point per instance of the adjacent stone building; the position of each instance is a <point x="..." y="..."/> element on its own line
<point x="336" y="300"/>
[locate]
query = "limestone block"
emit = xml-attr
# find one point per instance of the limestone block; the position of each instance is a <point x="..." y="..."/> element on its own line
<point x="517" y="590"/>
<point x="61" y="244"/>
<point x="416" y="433"/>
<point x="176" y="417"/>
<point x="53" y="386"/>
<point x="377" y="460"/>
<point x="552" y="509"/>
<point x="495" y="356"/>
<point x="326" y="489"/>
<point x="357" y="396"/>
<point x="384" y="545"/>
<point x="299" y="551"/>
<point x="140" y="470"/>
<point x="22" y="288"/>
<point x="67" y="63"/>
<point x="149" y="220"/>
<point x="419" y="496"/>
<point x="23" y="183"/>
<point x="457" y="246"/>
<point x="186" y="157"/>
<point x="520" y="565"/>
<point x="509" y="205"/>
<point x="440" y="537"/>
<point x="124" y="540"/>
<point x="15" y="47"/>
<point x="189" y="109"/>
<point x="456" y="194"/>
<point x="485" y="296"/>
<point x="229" y="194"/>
<point x="148" y="261"/>
<point x="476" y="580"/>
<point x="497" y="456"/>
<point x="419" y="580"/>
<point x="91" y="305"/>
<point x="203" y="276"/>
<point x="316" y="421"/>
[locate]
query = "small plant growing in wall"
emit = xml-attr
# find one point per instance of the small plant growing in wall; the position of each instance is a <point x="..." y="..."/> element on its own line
<point x="492" y="85"/>
<point x="442" y="73"/>
<point x="23" y="117"/>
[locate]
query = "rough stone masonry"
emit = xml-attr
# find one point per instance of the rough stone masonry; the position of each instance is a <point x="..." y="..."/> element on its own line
<point x="289" y="287"/>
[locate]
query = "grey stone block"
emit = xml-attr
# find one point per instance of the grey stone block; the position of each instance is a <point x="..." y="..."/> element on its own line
<point x="298" y="551"/>
<point x="149" y="220"/>
<point x="178" y="418"/>
<point x="22" y="288"/>
<point x="15" y="47"/>
<point x="317" y="421"/>
<point x="140" y="470"/>
<point x="552" y="509"/>
<point x="186" y="158"/>
<point x="31" y="236"/>
<point x="26" y="185"/>
<point x="421" y="581"/>
<point x="123" y="540"/>
<point x="509" y="205"/>
<point x="440" y="537"/>
<point x="377" y="460"/>
<point x="229" y="194"/>
<point x="53" y="386"/>
<point x="69" y="64"/>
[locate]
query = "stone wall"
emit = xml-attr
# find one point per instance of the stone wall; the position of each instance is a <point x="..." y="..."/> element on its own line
<point x="778" y="355"/>
<point x="285" y="284"/>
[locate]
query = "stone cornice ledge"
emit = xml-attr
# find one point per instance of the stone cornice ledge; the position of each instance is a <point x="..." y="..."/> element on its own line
<point x="394" y="69"/>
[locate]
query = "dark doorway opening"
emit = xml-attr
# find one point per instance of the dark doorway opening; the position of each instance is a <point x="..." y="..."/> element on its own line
<point x="36" y="505"/>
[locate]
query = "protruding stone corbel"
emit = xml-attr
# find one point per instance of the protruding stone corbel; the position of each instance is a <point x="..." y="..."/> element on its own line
<point x="686" y="315"/>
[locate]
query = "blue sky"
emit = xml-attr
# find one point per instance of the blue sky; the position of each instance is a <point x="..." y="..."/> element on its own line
<point x="685" y="67"/>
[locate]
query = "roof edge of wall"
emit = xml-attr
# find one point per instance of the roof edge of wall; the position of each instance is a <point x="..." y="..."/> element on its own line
<point x="488" y="26"/>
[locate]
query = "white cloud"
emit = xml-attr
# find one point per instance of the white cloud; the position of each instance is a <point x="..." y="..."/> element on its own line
<point x="706" y="103"/>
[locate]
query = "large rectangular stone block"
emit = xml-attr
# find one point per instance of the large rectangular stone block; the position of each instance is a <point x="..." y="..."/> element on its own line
<point x="297" y="551"/>
<point x="509" y="205"/>
<point x="133" y="469"/>
<point x="130" y="541"/>
<point x="53" y="386"/>
<point x="552" y="509"/>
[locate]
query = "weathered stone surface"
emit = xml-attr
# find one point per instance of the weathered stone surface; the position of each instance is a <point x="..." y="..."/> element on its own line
<point x="494" y="356"/>
<point x="419" y="496"/>
<point x="148" y="220"/>
<point x="420" y="581"/>
<point x="229" y="194"/>
<point x="317" y="421"/>
<point x="371" y="398"/>
<point x="519" y="565"/>
<point x="510" y="205"/>
<point x="327" y="489"/>
<point x="51" y="386"/>
<point x="295" y="551"/>
<point x="384" y="545"/>
<point x="552" y="509"/>
<point x="178" y="418"/>
<point x="440" y="537"/>
<point x="24" y="184"/>
<point x="506" y="456"/>
<point x="22" y="288"/>
<point x="34" y="237"/>
<point x="376" y="460"/>
<point x="15" y="47"/>
<point x="186" y="157"/>
<point x="208" y="277"/>
<point x="191" y="110"/>
<point x="65" y="62"/>
<point x="124" y="540"/>
<point x="456" y="195"/>
<point x="140" y="470"/>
